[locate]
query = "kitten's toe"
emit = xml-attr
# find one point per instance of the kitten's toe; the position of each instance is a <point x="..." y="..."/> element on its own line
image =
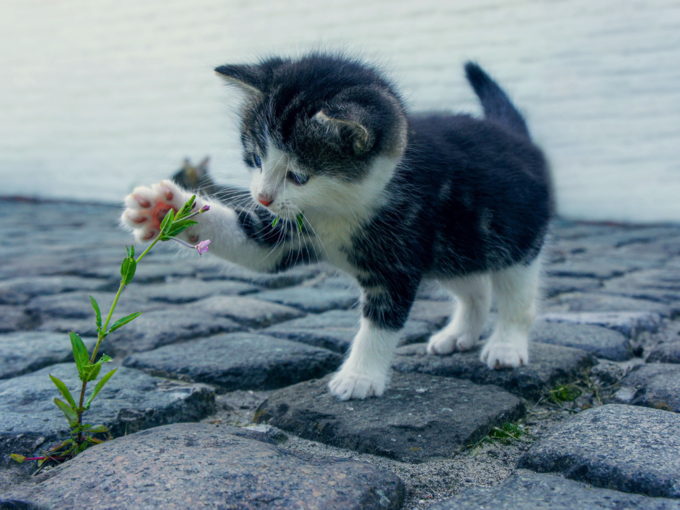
<point x="346" y="386"/>
<point x="443" y="343"/>
<point x="501" y="354"/>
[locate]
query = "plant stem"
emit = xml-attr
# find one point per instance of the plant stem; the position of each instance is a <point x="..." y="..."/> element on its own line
<point x="101" y="336"/>
<point x="115" y="302"/>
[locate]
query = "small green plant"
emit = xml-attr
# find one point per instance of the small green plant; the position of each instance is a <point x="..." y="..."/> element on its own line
<point x="83" y="435"/>
<point x="565" y="393"/>
<point x="506" y="434"/>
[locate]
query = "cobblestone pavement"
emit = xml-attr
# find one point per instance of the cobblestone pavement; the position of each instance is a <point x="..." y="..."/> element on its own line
<point x="220" y="400"/>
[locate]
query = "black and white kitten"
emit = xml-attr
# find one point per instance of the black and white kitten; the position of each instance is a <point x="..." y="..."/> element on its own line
<point x="390" y="198"/>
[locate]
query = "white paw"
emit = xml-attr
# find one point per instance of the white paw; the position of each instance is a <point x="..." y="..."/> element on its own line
<point x="501" y="354"/>
<point x="146" y="208"/>
<point x="445" y="342"/>
<point x="348" y="385"/>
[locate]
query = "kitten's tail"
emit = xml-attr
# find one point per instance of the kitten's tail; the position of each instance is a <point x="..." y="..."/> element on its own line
<point x="497" y="106"/>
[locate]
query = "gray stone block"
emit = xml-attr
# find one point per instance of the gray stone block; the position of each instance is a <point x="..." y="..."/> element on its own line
<point x="246" y="311"/>
<point x="552" y="286"/>
<point x="238" y="361"/>
<point x="549" y="366"/>
<point x="578" y="302"/>
<point x="335" y="330"/>
<point x="625" y="448"/>
<point x="629" y="324"/>
<point x="19" y="291"/>
<point x="420" y="417"/>
<point x="602" y="342"/>
<point x="654" y="385"/>
<point x="187" y="290"/>
<point x="204" y="466"/>
<point x="588" y="269"/>
<point x="165" y="327"/>
<point x="149" y="271"/>
<point x="28" y="351"/>
<point x="14" y="318"/>
<point x="130" y="401"/>
<point x="312" y="300"/>
<point x="534" y="491"/>
<point x="76" y="305"/>
<point x="665" y="353"/>
<point x="435" y="313"/>
<point x="227" y="271"/>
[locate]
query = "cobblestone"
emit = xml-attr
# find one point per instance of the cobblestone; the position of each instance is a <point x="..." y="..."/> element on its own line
<point x="613" y="293"/>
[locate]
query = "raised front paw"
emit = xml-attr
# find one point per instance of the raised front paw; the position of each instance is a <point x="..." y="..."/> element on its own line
<point x="146" y="208"/>
<point x="501" y="354"/>
<point x="347" y="385"/>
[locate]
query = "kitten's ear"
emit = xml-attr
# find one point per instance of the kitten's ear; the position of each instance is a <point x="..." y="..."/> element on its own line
<point x="347" y="124"/>
<point x="248" y="78"/>
<point x="202" y="168"/>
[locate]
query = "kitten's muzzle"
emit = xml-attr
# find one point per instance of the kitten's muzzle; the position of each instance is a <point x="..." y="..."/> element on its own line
<point x="265" y="200"/>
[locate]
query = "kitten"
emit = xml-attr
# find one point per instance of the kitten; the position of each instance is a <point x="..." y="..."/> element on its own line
<point x="389" y="197"/>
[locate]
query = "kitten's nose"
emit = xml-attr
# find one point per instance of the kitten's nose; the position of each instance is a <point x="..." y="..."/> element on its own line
<point x="265" y="200"/>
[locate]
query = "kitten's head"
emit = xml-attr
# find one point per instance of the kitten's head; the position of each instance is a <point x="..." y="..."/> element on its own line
<point x="322" y="133"/>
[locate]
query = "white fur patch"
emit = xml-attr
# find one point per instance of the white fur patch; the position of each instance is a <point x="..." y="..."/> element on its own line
<point x="365" y="372"/>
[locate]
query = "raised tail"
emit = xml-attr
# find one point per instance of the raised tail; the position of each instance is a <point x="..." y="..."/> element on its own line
<point x="497" y="106"/>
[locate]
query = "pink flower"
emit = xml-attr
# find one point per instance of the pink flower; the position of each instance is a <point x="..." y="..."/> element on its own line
<point x="205" y="208"/>
<point x="202" y="247"/>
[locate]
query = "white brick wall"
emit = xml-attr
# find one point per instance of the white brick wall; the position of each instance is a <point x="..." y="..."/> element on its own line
<point x="97" y="96"/>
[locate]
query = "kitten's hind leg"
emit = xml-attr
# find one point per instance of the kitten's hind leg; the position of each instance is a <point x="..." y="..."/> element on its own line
<point x="473" y="295"/>
<point x="515" y="290"/>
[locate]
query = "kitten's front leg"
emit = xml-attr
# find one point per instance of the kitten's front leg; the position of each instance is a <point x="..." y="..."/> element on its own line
<point x="246" y="237"/>
<point x="365" y="372"/>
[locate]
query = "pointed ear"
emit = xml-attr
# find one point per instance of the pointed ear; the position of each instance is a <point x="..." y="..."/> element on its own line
<point x="347" y="124"/>
<point x="247" y="78"/>
<point x="202" y="168"/>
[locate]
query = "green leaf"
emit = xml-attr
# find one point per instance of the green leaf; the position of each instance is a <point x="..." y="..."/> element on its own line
<point x="64" y="391"/>
<point x="79" y="353"/>
<point x="81" y="447"/>
<point x="92" y="371"/>
<point x="59" y="446"/>
<point x="300" y="221"/>
<point x="19" y="458"/>
<point x="99" y="429"/>
<point x="169" y="218"/>
<point x="99" y="386"/>
<point x="127" y="270"/>
<point x="275" y="222"/>
<point x="182" y="224"/>
<point x="173" y="230"/>
<point x="130" y="251"/>
<point x="122" y="322"/>
<point x="186" y="208"/>
<point x="71" y="415"/>
<point x="97" y="313"/>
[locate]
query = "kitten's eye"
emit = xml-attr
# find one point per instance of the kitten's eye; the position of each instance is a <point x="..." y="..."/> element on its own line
<point x="297" y="178"/>
<point x="257" y="161"/>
